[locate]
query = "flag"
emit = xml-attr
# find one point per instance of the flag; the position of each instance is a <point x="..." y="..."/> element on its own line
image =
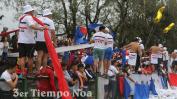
<point x="146" y="91"/>
<point x="169" y="27"/>
<point x="141" y="91"/>
<point x="83" y="30"/>
<point x="89" y="60"/>
<point x="127" y="89"/>
<point x="93" y="26"/>
<point x="159" y="14"/>
<point x="152" y="87"/>
<point x="62" y="84"/>
<point x="121" y="85"/>
<point x="172" y="79"/>
<point x="80" y="35"/>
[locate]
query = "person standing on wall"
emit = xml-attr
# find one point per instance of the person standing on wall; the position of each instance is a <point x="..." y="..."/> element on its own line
<point x="99" y="39"/>
<point x="134" y="51"/>
<point x="108" y="50"/>
<point x="26" y="37"/>
<point x="40" y="40"/>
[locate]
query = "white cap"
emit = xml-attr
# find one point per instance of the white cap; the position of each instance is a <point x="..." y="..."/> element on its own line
<point x="46" y="12"/>
<point x="27" y="8"/>
<point x="160" y="45"/>
<point x="165" y="48"/>
<point x="175" y="51"/>
<point x="138" y="38"/>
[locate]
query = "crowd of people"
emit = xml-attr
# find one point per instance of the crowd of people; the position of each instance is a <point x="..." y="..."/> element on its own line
<point x="79" y="66"/>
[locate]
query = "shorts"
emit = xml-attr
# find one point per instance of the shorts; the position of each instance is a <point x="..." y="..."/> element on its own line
<point x="160" y="60"/>
<point x="41" y="46"/>
<point x="98" y="54"/>
<point x="154" y="59"/>
<point x="174" y="63"/>
<point x="26" y="50"/>
<point x="108" y="54"/>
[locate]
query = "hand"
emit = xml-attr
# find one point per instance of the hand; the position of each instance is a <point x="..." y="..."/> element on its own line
<point x="16" y="76"/>
<point x="43" y="28"/>
<point x="13" y="77"/>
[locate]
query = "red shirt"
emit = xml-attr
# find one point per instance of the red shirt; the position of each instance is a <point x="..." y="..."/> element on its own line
<point x="46" y="84"/>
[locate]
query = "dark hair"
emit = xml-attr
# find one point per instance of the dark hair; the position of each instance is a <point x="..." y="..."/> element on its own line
<point x="87" y="66"/>
<point x="102" y="28"/>
<point x="63" y="64"/>
<point x="7" y="65"/>
<point x="11" y="64"/>
<point x="136" y="40"/>
<point x="74" y="63"/>
<point x="113" y="62"/>
<point x="80" y="65"/>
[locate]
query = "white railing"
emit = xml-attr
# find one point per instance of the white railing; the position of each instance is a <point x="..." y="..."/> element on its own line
<point x="58" y="50"/>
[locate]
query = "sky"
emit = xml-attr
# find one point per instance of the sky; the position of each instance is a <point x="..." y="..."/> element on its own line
<point x="8" y="19"/>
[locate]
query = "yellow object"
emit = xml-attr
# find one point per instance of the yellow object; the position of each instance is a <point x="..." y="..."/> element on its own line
<point x="169" y="27"/>
<point x="159" y="15"/>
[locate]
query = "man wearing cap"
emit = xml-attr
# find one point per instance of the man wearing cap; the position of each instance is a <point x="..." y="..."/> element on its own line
<point x="26" y="41"/>
<point x="108" y="50"/>
<point x="40" y="40"/>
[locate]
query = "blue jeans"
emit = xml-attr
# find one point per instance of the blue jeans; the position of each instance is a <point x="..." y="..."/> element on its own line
<point x="4" y="57"/>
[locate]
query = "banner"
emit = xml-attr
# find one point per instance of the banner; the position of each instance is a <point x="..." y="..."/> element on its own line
<point x="63" y="86"/>
<point x="172" y="79"/>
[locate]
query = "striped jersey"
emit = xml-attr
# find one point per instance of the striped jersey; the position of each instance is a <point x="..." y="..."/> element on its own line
<point x="100" y="40"/>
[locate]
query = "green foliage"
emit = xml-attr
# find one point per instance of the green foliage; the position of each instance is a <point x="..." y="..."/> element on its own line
<point x="128" y="18"/>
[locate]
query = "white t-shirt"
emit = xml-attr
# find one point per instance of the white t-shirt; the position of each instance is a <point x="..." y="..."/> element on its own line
<point x="142" y="46"/>
<point x="112" y="72"/>
<point x="26" y="34"/>
<point x="165" y="56"/>
<point x="50" y="24"/>
<point x="109" y="41"/>
<point x="160" y="54"/>
<point x="100" y="40"/>
<point x="3" y="84"/>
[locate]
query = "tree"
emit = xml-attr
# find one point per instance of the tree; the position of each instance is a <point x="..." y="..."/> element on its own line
<point x="128" y="18"/>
